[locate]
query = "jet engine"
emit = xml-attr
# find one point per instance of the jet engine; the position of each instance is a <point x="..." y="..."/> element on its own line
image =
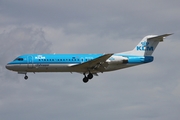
<point x="117" y="60"/>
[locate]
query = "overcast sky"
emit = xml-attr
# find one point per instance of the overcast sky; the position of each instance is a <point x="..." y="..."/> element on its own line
<point x="147" y="92"/>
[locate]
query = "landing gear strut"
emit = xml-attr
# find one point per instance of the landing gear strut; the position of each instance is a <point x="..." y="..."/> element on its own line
<point x="86" y="78"/>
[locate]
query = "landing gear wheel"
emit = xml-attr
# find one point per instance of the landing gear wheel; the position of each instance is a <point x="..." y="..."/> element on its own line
<point x="85" y="79"/>
<point x="90" y="76"/>
<point x="26" y="77"/>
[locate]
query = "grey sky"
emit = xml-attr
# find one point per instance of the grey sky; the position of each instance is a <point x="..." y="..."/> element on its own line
<point x="150" y="91"/>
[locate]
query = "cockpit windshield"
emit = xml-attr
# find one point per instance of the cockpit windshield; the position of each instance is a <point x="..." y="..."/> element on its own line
<point x="18" y="59"/>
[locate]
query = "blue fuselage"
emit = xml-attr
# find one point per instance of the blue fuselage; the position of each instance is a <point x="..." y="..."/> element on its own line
<point x="63" y="62"/>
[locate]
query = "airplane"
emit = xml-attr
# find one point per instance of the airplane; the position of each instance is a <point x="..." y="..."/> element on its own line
<point x="87" y="64"/>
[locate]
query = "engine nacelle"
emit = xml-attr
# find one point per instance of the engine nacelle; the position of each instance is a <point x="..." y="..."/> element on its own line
<point x="117" y="60"/>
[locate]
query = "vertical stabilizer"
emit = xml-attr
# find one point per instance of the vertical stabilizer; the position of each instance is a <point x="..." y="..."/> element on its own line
<point x="147" y="45"/>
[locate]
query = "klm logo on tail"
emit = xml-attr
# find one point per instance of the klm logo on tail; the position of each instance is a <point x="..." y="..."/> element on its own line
<point x="144" y="47"/>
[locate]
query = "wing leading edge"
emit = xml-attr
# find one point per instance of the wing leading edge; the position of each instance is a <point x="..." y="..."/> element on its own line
<point x="97" y="64"/>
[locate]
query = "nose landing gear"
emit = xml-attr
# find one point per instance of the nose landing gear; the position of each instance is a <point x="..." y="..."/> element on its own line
<point x="25" y="73"/>
<point x="25" y="77"/>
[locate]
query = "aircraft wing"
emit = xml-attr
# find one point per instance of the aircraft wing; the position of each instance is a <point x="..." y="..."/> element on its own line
<point x="94" y="64"/>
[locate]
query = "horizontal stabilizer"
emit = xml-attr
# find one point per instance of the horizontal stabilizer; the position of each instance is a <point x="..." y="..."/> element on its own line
<point x="159" y="37"/>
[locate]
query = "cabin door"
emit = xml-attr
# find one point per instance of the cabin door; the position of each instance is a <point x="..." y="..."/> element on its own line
<point x="30" y="62"/>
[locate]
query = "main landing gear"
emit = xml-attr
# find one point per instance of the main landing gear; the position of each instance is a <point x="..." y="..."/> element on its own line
<point x="86" y="78"/>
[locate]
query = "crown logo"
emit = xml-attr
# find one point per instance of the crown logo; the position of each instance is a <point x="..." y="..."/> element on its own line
<point x="144" y="43"/>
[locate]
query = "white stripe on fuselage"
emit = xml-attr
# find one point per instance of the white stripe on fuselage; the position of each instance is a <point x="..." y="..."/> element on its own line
<point x="62" y="68"/>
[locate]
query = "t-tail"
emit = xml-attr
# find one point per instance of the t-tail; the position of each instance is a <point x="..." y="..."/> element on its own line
<point x="147" y="45"/>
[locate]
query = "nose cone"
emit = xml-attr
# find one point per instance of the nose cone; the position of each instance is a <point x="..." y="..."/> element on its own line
<point x="9" y="67"/>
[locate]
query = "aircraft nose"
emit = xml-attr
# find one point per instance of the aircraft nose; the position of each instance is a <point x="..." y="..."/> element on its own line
<point x="8" y="66"/>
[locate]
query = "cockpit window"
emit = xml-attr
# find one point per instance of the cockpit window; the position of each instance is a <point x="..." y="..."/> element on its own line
<point x="18" y="59"/>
